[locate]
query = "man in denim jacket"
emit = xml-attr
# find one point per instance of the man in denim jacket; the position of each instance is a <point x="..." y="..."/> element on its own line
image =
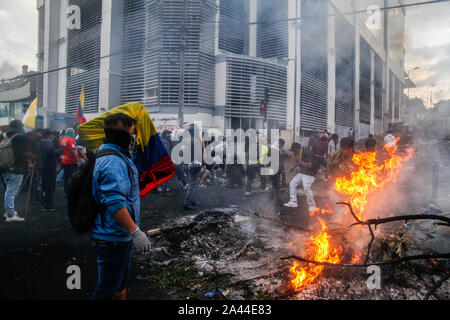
<point x="115" y="188"/>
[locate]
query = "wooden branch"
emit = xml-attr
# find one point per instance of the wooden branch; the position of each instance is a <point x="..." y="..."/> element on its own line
<point x="397" y="218"/>
<point x="410" y="258"/>
<point x="405" y="218"/>
<point x="378" y="221"/>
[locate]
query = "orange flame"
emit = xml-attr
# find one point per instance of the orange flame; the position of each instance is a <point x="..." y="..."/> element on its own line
<point x="319" y="249"/>
<point x="370" y="177"/>
<point x="327" y="210"/>
<point x="356" y="257"/>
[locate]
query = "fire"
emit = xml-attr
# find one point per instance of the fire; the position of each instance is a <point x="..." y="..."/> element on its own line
<point x="356" y="257"/>
<point x="370" y="176"/>
<point x="327" y="210"/>
<point x="319" y="249"/>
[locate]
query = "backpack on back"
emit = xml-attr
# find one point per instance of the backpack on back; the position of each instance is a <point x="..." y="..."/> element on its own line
<point x="82" y="207"/>
<point x="6" y="153"/>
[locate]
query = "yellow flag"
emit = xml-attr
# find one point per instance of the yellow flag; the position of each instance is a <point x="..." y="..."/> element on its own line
<point x="29" y="119"/>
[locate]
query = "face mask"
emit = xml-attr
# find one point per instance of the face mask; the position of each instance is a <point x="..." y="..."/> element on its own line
<point x="121" y="138"/>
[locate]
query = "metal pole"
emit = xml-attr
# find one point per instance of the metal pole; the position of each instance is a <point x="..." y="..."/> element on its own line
<point x="295" y="76"/>
<point x="27" y="205"/>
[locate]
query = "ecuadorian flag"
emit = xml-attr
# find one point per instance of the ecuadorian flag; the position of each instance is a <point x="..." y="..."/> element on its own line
<point x="152" y="158"/>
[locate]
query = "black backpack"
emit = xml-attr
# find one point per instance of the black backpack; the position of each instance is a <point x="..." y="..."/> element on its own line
<point x="81" y="204"/>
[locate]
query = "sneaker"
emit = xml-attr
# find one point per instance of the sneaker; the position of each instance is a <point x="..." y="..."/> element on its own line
<point x="291" y="204"/>
<point x="203" y="186"/>
<point x="6" y="215"/>
<point x="248" y="193"/>
<point x="15" y="217"/>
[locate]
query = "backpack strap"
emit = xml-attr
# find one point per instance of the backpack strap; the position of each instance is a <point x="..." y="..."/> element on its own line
<point x="110" y="152"/>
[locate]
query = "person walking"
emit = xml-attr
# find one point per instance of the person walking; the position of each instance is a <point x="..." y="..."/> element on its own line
<point x="16" y="159"/>
<point x="115" y="188"/>
<point x="69" y="162"/>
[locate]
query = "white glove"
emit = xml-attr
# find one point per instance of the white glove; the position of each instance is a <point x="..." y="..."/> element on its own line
<point x="140" y="241"/>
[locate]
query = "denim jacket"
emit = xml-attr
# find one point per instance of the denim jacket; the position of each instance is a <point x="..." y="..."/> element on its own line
<point x="113" y="190"/>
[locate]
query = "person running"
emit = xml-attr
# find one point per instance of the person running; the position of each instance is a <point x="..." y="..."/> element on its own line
<point x="307" y="166"/>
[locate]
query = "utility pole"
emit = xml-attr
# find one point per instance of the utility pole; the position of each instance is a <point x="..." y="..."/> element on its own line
<point x="182" y="61"/>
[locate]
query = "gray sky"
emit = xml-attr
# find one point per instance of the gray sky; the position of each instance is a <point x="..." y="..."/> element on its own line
<point x="427" y="44"/>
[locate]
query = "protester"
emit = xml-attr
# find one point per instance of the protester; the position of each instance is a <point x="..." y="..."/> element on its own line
<point x="283" y="157"/>
<point x="341" y="162"/>
<point x="16" y="159"/>
<point x="194" y="167"/>
<point x="116" y="189"/>
<point x="69" y="160"/>
<point x="49" y="155"/>
<point x="307" y="166"/>
<point x="370" y="144"/>
<point x="253" y="166"/>
<point x="181" y="169"/>
<point x="321" y="151"/>
<point x="333" y="145"/>
<point x="389" y="140"/>
<point x="314" y="140"/>
<point x="35" y="137"/>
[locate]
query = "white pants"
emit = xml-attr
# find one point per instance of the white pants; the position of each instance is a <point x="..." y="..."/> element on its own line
<point x="307" y="181"/>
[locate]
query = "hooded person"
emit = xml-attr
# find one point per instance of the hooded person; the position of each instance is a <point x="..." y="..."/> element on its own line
<point x="16" y="159"/>
<point x="115" y="189"/>
<point x="69" y="161"/>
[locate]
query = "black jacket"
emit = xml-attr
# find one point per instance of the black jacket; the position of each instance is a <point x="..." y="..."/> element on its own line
<point x="49" y="154"/>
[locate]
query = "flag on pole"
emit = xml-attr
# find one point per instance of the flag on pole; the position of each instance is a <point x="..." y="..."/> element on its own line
<point x="80" y="114"/>
<point x="29" y="119"/>
<point x="151" y="157"/>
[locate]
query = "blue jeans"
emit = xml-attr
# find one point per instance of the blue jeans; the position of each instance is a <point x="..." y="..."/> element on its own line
<point x="192" y="183"/>
<point x="12" y="182"/>
<point x="113" y="263"/>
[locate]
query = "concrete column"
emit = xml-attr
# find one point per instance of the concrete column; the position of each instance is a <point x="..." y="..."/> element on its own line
<point x="356" y="97"/>
<point x="253" y="29"/>
<point x="293" y="70"/>
<point x="331" y="123"/>
<point x="372" y="92"/>
<point x="62" y="58"/>
<point x="51" y="53"/>
<point x="110" y="43"/>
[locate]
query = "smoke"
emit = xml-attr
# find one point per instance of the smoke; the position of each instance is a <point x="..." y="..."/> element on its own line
<point x="8" y="70"/>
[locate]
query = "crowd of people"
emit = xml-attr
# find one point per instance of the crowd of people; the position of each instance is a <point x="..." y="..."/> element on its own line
<point x="33" y="161"/>
<point x="38" y="155"/>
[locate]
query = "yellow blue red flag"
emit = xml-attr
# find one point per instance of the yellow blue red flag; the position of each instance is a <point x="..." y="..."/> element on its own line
<point x="151" y="157"/>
